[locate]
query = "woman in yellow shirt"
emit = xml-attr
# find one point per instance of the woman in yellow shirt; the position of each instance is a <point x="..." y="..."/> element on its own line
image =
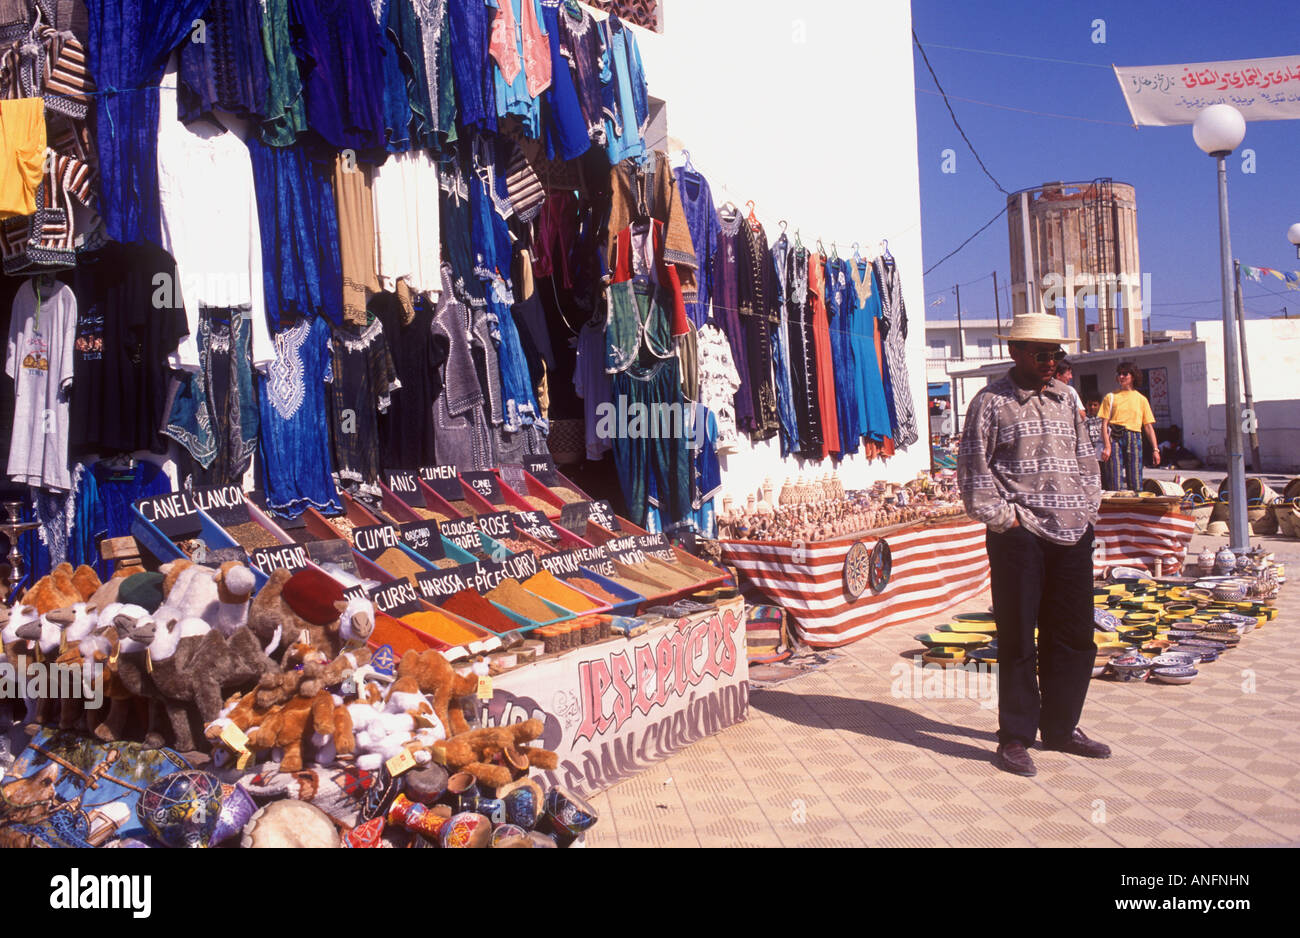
<point x="1127" y="414"/>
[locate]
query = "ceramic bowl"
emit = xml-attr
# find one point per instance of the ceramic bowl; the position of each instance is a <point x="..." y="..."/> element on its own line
<point x="1174" y="659"/>
<point x="1105" y="621"/>
<point x="984" y="618"/>
<point x="1233" y="591"/>
<point x="1178" y="635"/>
<point x="968" y="628"/>
<point x="1099" y="669"/>
<point x="964" y="639"/>
<point x="1156" y="647"/>
<point x="1136" y="636"/>
<point x="1110" y="649"/>
<point x="1129" y="668"/>
<point x="1179" y="609"/>
<point x="1176" y="675"/>
<point x="945" y="656"/>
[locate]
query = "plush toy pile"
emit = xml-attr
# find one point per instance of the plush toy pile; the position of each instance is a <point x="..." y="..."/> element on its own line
<point x="273" y="724"/>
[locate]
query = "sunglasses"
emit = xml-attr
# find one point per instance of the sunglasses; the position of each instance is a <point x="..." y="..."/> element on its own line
<point x="1044" y="357"/>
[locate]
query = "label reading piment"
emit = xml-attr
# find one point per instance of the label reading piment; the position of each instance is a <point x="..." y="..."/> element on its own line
<point x="372" y="540"/>
<point x="484" y="484"/>
<point x="406" y="486"/>
<point x="445" y="481"/>
<point x="570" y="562"/>
<point x="423" y="538"/>
<point x="286" y="557"/>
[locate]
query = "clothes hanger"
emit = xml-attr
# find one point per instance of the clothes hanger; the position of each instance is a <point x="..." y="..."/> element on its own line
<point x="798" y="241"/>
<point x="688" y="166"/>
<point x="885" y="248"/>
<point x="752" y="219"/>
<point x="835" y="252"/>
<point x="857" y="254"/>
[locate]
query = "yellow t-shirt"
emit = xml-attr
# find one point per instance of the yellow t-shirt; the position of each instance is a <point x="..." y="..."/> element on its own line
<point x="22" y="154"/>
<point x="1128" y="409"/>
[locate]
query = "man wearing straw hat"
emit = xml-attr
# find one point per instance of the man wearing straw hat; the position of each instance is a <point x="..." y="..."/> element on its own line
<point x="1028" y="470"/>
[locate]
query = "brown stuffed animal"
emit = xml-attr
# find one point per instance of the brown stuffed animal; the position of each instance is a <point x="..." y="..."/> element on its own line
<point x="496" y="755"/>
<point x="434" y="676"/>
<point x="61" y="589"/>
<point x="320" y="616"/>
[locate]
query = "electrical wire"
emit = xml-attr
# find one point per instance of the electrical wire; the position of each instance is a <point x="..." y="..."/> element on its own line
<point x="1016" y="55"/>
<point x="966" y="242"/>
<point x="1022" y="110"/>
<point x="930" y="68"/>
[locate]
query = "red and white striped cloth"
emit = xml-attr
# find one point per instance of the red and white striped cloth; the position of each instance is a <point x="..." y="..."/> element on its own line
<point x="1135" y="535"/>
<point x="934" y="568"/>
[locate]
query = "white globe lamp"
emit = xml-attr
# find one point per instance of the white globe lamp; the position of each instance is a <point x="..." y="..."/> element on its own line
<point x="1219" y="128"/>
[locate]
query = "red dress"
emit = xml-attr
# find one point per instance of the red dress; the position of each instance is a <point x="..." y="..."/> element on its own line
<point x="825" y="363"/>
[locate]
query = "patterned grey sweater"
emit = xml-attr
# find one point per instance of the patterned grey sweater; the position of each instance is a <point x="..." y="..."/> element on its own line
<point x="1027" y="455"/>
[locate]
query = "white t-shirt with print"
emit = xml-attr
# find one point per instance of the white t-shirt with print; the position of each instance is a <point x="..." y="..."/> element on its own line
<point x="719" y="382"/>
<point x="39" y="359"/>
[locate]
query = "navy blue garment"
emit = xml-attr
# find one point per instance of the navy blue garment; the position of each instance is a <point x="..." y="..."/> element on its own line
<point x="397" y="103"/>
<point x="227" y="68"/>
<point x="337" y="43"/>
<point x="401" y="29"/>
<point x="471" y="32"/>
<point x="454" y="210"/>
<point x="302" y="272"/>
<point x="838" y="311"/>
<point x="103" y="508"/>
<point x="129" y="42"/>
<point x="567" y="134"/>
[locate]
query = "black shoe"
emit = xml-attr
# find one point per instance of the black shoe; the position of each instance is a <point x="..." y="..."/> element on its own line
<point x="1015" y="758"/>
<point x="1079" y="745"/>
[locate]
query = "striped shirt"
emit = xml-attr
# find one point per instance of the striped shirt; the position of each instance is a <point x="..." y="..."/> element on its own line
<point x="1027" y="456"/>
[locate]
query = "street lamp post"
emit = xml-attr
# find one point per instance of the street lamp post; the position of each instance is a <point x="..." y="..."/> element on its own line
<point x="1218" y="130"/>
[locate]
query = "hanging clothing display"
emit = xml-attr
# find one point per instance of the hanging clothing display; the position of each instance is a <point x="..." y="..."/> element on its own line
<point x="210" y="224"/>
<point x="297" y="464"/>
<point x="462" y="437"/>
<point x="470" y="33"/>
<point x="301" y="268"/>
<point x="864" y="309"/>
<point x="39" y="359"/>
<point x="839" y="314"/>
<point x="758" y="314"/>
<point x="408" y="106"/>
<point x="647" y="457"/>
<point x="574" y="98"/>
<point x="728" y="263"/>
<point x="364" y="382"/>
<point x="22" y="154"/>
<point x="354" y="201"/>
<point x="223" y="67"/>
<point x="406" y="223"/>
<point x="213" y="412"/>
<point x="285" y="112"/>
<point x="128" y="329"/>
<point x="719" y="383"/>
<point x="593" y="384"/>
<point x="406" y="431"/>
<point x="624" y="99"/>
<point x="521" y="52"/>
<point x="102" y="507"/>
<point x="781" y="346"/>
<point x="803" y="357"/>
<point x="435" y="49"/>
<point x="702" y="220"/>
<point x="645" y="189"/>
<point x="343" y="80"/>
<point x="825" y="359"/>
<point x="894" y="336"/>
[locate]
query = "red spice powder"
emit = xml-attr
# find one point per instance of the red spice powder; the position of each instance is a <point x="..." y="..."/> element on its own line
<point x="468" y="604"/>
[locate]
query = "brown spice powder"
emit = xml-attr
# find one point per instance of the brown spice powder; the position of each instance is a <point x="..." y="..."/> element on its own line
<point x="512" y="595"/>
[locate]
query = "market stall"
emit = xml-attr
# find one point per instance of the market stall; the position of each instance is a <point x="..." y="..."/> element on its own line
<point x="1141" y="532"/>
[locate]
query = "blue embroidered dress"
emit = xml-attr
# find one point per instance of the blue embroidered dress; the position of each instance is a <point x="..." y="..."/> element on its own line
<point x="626" y="101"/>
<point x="297" y="462"/>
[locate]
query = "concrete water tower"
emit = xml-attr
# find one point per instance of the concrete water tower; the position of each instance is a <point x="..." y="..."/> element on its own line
<point x="1071" y="242"/>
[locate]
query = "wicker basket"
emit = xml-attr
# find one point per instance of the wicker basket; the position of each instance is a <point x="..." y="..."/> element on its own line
<point x="1199" y="510"/>
<point x="1292" y="489"/>
<point x="1197" y="487"/>
<point x="1161" y="487"/>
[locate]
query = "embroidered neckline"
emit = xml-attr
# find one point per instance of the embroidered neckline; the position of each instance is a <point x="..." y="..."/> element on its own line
<point x="862" y="287"/>
<point x="361" y="341"/>
<point x="729" y="228"/>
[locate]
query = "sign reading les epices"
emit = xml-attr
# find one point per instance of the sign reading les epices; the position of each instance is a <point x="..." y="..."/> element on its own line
<point x="445" y="481"/>
<point x="372" y="540"/>
<point x="484" y="484"/>
<point x="285" y="557"/>
<point x="423" y="538"/>
<point x="406" y="486"/>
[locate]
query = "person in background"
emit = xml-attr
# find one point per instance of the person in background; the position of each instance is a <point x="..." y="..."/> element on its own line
<point x="1128" y="415"/>
<point x="1027" y="469"/>
<point x="1100" y="437"/>
<point x="1065" y="374"/>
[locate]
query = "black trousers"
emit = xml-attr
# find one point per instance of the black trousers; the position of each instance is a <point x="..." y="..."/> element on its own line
<point x="1041" y="687"/>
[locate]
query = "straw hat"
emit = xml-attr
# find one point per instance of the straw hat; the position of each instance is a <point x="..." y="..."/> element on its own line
<point x="1036" y="327"/>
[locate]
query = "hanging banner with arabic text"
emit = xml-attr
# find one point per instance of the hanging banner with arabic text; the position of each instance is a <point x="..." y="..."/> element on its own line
<point x="1164" y="95"/>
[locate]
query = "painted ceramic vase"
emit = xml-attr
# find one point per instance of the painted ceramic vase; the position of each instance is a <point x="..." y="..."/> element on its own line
<point x="181" y="809"/>
<point x="566" y="816"/>
<point x="466" y="830"/>
<point x="1205" y="559"/>
<point x="1225" y="561"/>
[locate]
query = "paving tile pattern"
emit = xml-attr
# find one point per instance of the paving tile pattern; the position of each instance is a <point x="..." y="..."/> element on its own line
<point x="834" y="759"/>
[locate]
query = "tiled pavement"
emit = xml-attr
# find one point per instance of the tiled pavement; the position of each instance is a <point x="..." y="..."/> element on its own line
<point x="833" y="759"/>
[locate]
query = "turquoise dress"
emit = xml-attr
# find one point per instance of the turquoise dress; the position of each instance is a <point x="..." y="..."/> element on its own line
<point x="512" y="96"/>
<point x="868" y="386"/>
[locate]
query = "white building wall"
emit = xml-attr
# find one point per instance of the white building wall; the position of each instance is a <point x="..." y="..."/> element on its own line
<point x="1274" y="349"/>
<point x="757" y="93"/>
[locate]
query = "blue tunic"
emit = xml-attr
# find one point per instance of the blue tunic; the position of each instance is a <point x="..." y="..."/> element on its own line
<point x="297" y="460"/>
<point x="626" y="101"/>
<point x="838" y="310"/>
<point x="873" y="410"/>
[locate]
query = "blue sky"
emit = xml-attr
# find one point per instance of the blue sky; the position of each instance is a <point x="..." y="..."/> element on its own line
<point x="1175" y="181"/>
